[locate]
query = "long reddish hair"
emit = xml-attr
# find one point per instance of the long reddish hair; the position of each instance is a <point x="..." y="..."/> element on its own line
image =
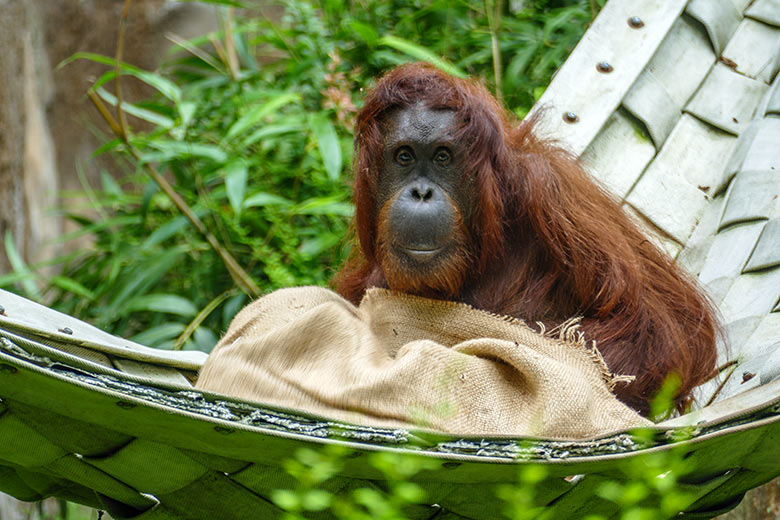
<point x="549" y="242"/>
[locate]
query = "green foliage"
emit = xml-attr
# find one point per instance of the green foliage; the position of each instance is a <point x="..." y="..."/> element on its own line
<point x="313" y="469"/>
<point x="371" y="36"/>
<point x="643" y="487"/>
<point x="649" y="485"/>
<point x="520" y="498"/>
<point x="252" y="128"/>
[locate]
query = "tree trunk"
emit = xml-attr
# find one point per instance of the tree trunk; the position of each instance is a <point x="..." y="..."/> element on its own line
<point x="46" y="122"/>
<point x="12" y="121"/>
<point x="759" y="504"/>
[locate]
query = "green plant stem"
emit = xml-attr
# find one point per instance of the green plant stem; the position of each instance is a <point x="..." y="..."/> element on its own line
<point x="230" y="44"/>
<point x="202" y="315"/>
<point x="720" y="386"/>
<point x="494" y="24"/>
<point x="120" y="47"/>
<point x="195" y="51"/>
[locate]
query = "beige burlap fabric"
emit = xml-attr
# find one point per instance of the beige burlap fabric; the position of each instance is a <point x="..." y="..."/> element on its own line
<point x="401" y="360"/>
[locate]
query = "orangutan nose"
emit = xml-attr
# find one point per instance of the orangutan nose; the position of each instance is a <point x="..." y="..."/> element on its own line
<point x="422" y="217"/>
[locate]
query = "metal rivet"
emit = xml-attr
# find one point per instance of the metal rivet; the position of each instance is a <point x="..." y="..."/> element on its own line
<point x="66" y="330"/>
<point x="636" y="22"/>
<point x="125" y="405"/>
<point x="7" y="369"/>
<point x="570" y="117"/>
<point x="604" y="67"/>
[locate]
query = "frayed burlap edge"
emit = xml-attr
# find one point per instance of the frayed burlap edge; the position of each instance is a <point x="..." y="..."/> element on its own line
<point x="566" y="333"/>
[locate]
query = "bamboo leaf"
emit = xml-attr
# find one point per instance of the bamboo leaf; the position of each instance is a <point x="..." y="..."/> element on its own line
<point x="140" y="113"/>
<point x="327" y="142"/>
<point x="364" y="31"/>
<point x="173" y="149"/>
<point x="324" y="206"/>
<point x="12" y="278"/>
<point x="150" y="189"/>
<point x="186" y="111"/>
<point x="107" y="147"/>
<point x="109" y="185"/>
<point x="255" y="114"/>
<point x="27" y="278"/>
<point x="143" y="276"/>
<point x="235" y="184"/>
<point x="314" y="246"/>
<point x="420" y="53"/>
<point x="168" y="303"/>
<point x="166" y="87"/>
<point x="520" y="61"/>
<point x="70" y="285"/>
<point x="202" y="339"/>
<point x="265" y="199"/>
<point x="232" y="306"/>
<point x="97" y="226"/>
<point x="270" y="131"/>
<point x="166" y="231"/>
<point x="154" y="336"/>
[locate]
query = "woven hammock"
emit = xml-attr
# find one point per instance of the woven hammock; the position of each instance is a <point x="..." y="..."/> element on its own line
<point x="99" y="420"/>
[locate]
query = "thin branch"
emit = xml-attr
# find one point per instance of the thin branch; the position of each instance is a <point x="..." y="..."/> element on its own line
<point x="219" y="49"/>
<point x="230" y="44"/>
<point x="195" y="51"/>
<point x="202" y="315"/>
<point x="120" y="48"/>
<point x="723" y="367"/>
<point x="494" y="24"/>
<point x="722" y="384"/>
<point x="103" y="109"/>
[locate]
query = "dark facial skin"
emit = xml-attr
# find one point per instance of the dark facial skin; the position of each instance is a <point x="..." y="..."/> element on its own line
<point x="423" y="199"/>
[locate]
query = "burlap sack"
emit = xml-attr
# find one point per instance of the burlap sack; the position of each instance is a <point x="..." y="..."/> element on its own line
<point x="401" y="360"/>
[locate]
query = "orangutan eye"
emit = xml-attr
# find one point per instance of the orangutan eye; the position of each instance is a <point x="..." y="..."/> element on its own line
<point x="442" y="157"/>
<point x="404" y="156"/>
